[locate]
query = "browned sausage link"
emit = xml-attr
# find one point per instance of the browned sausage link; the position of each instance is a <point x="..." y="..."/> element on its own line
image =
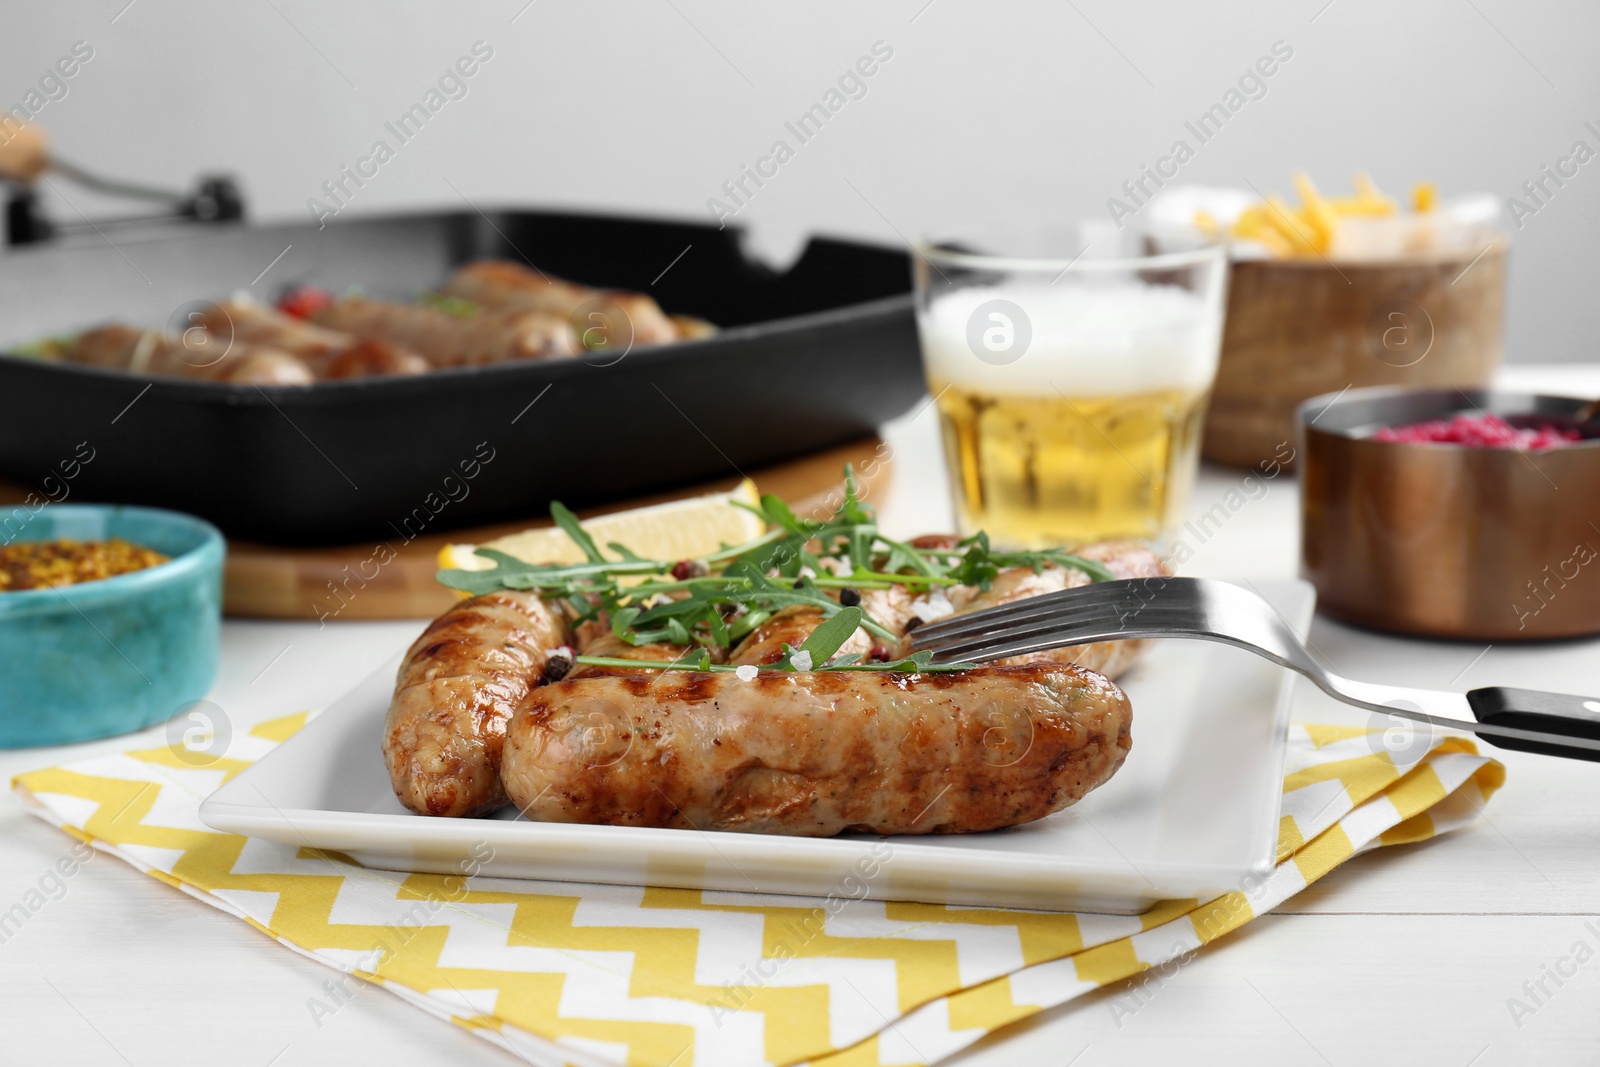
<point x="458" y="685"/>
<point x="791" y="626"/>
<point x="447" y="340"/>
<point x="197" y="354"/>
<point x="256" y="323"/>
<point x="816" y="753"/>
<point x="329" y="353"/>
<point x="366" y="356"/>
<point x="1123" y="558"/>
<point x="689" y="328"/>
<point x="262" y="366"/>
<point x="619" y="315"/>
<point x="788" y="626"/>
<point x="593" y="637"/>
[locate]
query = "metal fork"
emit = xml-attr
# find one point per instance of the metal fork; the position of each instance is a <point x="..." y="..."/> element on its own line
<point x="1553" y="724"/>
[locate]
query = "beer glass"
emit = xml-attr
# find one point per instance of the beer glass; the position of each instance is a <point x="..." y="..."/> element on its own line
<point x="1071" y="392"/>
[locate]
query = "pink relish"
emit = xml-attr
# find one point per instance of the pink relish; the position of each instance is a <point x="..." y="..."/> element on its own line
<point x="1480" y="431"/>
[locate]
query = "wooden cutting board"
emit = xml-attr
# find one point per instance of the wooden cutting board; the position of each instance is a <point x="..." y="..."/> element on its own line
<point x="394" y="580"/>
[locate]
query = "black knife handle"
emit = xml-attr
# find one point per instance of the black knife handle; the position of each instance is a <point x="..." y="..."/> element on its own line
<point x="1532" y="709"/>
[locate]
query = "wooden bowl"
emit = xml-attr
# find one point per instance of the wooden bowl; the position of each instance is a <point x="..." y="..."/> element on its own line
<point x="1300" y="328"/>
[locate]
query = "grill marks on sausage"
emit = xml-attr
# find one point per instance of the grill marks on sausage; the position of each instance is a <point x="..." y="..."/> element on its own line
<point x="814" y="754"/>
<point x="594" y="638"/>
<point x="686" y="687"/>
<point x="764" y="644"/>
<point x="457" y="687"/>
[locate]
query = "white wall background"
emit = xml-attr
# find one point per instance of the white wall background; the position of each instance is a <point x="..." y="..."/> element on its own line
<point x="988" y="112"/>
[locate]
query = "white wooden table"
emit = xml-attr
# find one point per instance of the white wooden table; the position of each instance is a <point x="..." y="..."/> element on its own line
<point x="1407" y="956"/>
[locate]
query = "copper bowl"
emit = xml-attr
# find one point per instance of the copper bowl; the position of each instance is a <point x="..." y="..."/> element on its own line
<point x="1444" y="540"/>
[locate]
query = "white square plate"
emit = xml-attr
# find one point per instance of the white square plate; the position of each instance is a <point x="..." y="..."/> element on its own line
<point x="1192" y="812"/>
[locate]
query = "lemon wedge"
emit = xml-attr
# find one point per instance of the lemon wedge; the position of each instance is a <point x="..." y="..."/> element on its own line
<point x="678" y="529"/>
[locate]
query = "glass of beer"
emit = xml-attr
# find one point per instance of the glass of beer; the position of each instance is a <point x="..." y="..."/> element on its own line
<point x="1071" y="391"/>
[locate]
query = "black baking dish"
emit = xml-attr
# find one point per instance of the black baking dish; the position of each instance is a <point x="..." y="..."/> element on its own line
<point x="807" y="358"/>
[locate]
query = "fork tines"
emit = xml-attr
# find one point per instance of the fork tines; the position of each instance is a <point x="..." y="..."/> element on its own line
<point x="1087" y="613"/>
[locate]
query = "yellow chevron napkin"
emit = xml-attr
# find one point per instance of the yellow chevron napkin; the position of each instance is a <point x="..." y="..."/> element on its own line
<point x="600" y="975"/>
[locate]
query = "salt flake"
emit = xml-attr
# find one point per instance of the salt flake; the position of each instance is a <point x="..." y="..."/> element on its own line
<point x="935" y="605"/>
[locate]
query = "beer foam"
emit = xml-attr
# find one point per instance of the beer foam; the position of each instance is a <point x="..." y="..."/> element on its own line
<point x="1104" y="337"/>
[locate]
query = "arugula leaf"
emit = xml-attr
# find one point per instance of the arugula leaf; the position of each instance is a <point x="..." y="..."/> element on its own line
<point x="755" y="563"/>
<point x="831" y="634"/>
<point x="746" y="624"/>
<point x="556" y="579"/>
<point x="624" y="553"/>
<point x="568" y="522"/>
<point x="1096" y="571"/>
<point x="473" y="583"/>
<point x="779" y="515"/>
<point x="727" y="551"/>
<point x="919" y="663"/>
<point x="977" y="566"/>
<point x="622" y="621"/>
<point x="718" y="628"/>
<point x="672" y="609"/>
<point x="861" y="548"/>
<point x="696" y="659"/>
<point x="851" y="510"/>
<point x="903" y="557"/>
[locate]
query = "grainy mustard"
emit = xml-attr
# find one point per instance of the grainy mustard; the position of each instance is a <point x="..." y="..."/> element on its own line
<point x="40" y="564"/>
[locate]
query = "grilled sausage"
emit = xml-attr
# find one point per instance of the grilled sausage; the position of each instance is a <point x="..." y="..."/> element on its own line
<point x="329" y="353"/>
<point x="198" y="355"/>
<point x="263" y="366"/>
<point x="618" y="316"/>
<point x="364" y="357"/>
<point x="816" y="753"/>
<point x="788" y="626"/>
<point x="593" y="637"/>
<point x="791" y="626"/>
<point x="891" y="608"/>
<point x="446" y="340"/>
<point x="457" y="686"/>
<point x="689" y="328"/>
<point x="1125" y="559"/>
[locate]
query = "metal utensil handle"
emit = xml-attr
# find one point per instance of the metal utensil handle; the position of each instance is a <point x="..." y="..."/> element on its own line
<point x="1532" y="709"/>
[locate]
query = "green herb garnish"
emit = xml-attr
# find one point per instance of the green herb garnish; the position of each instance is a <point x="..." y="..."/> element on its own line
<point x="718" y="599"/>
<point x="450" y="305"/>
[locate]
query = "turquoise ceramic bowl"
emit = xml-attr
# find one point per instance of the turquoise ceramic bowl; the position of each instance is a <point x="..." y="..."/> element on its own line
<point x="114" y="655"/>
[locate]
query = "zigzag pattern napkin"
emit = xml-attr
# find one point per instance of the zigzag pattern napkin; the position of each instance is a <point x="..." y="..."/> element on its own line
<point x="601" y="975"/>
